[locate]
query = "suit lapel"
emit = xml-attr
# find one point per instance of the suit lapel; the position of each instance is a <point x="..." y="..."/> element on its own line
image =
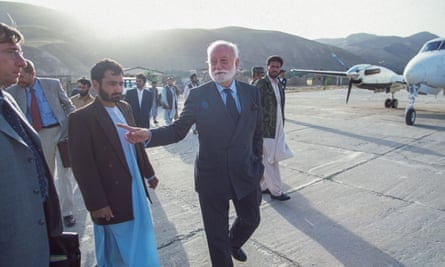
<point x="11" y="132"/>
<point x="245" y="103"/>
<point x="109" y="131"/>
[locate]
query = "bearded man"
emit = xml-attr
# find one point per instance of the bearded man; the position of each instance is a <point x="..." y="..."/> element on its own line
<point x="274" y="144"/>
<point x="228" y="117"/>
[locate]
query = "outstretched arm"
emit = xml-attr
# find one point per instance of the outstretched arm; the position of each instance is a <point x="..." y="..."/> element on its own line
<point x="135" y="134"/>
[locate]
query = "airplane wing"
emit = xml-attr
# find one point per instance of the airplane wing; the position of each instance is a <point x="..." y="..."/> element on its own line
<point x="323" y="72"/>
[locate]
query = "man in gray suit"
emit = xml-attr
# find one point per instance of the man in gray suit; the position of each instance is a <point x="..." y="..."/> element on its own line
<point x="50" y="121"/>
<point x="228" y="117"/>
<point x="29" y="207"/>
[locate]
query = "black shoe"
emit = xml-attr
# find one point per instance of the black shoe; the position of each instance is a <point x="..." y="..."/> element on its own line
<point x="266" y="192"/>
<point x="282" y="197"/>
<point x="238" y="254"/>
<point x="69" y="221"/>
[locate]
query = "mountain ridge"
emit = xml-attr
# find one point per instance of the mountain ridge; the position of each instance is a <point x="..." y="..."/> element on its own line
<point x="61" y="46"/>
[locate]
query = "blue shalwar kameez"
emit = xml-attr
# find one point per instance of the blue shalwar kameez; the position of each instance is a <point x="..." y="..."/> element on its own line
<point x="131" y="243"/>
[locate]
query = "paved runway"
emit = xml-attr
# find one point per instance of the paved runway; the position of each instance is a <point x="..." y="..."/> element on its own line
<point x="366" y="189"/>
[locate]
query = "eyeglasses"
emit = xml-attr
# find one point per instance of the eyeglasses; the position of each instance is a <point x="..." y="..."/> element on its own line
<point x="14" y="54"/>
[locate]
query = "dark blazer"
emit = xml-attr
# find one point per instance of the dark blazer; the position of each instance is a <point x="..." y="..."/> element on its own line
<point x="228" y="153"/>
<point x="269" y="104"/>
<point x="141" y="113"/>
<point x="25" y="222"/>
<point x="99" y="163"/>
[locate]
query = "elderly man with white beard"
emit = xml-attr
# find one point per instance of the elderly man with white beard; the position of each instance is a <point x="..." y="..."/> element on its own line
<point x="228" y="117"/>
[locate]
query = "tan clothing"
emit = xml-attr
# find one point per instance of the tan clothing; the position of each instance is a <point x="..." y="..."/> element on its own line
<point x="80" y="101"/>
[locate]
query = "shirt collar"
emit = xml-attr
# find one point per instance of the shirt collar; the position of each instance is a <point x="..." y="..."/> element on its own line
<point x="221" y="88"/>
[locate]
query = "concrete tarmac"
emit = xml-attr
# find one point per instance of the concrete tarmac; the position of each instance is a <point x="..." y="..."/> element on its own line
<point x="366" y="189"/>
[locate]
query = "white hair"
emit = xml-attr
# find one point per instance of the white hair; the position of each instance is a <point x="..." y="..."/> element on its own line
<point x="215" y="44"/>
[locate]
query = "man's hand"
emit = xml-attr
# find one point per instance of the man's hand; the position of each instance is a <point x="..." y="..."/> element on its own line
<point x="135" y="134"/>
<point x="103" y="213"/>
<point x="153" y="182"/>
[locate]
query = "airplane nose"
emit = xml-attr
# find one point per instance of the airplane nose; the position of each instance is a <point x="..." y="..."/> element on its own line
<point x="353" y="75"/>
<point x="414" y="73"/>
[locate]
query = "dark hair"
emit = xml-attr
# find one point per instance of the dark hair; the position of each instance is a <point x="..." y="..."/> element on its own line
<point x="99" y="69"/>
<point x="29" y="66"/>
<point x="276" y="59"/>
<point x="257" y="70"/>
<point x="9" y="34"/>
<point x="84" y="81"/>
<point x="193" y="75"/>
<point x="142" y="77"/>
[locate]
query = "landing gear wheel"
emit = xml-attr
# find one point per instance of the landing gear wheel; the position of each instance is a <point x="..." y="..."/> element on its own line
<point x="388" y="103"/>
<point x="394" y="103"/>
<point x="410" y="116"/>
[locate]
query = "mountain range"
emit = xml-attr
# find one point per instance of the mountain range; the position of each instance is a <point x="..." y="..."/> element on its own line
<point x="59" y="45"/>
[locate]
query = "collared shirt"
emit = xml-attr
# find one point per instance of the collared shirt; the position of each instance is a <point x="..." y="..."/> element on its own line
<point x="140" y="94"/>
<point x="46" y="114"/>
<point x="234" y="94"/>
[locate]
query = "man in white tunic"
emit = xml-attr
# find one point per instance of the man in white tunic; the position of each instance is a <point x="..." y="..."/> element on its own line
<point x="275" y="148"/>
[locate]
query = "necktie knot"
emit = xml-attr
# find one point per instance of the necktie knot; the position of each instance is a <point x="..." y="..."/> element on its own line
<point x="228" y="91"/>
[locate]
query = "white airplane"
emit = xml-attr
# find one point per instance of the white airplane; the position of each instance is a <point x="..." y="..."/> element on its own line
<point x="425" y="74"/>
<point x="371" y="77"/>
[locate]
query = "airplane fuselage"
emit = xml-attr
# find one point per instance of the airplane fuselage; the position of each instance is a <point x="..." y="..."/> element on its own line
<point x="428" y="66"/>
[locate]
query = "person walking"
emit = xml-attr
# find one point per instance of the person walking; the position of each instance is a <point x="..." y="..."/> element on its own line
<point x="275" y="148"/>
<point x="228" y="116"/>
<point x="169" y="101"/>
<point x="154" y="109"/>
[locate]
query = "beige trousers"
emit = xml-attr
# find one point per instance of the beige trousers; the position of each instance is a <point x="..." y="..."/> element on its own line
<point x="63" y="177"/>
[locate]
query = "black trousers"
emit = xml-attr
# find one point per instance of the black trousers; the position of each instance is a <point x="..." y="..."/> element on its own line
<point x="215" y="214"/>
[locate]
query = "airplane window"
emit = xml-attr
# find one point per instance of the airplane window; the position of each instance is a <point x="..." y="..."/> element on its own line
<point x="442" y="46"/>
<point x="372" y="71"/>
<point x="431" y="46"/>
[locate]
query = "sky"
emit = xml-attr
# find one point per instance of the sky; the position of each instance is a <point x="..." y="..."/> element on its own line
<point x="310" y="19"/>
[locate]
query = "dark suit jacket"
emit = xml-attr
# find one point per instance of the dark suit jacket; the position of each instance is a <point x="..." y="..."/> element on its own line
<point x="23" y="235"/>
<point x="269" y="104"/>
<point x="141" y="113"/>
<point x="98" y="161"/>
<point x="229" y="154"/>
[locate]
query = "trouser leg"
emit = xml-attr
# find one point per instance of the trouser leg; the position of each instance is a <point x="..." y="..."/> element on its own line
<point x="215" y="214"/>
<point x="247" y="220"/>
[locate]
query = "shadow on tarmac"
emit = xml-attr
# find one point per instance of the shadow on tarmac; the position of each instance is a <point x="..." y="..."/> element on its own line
<point x="375" y="140"/>
<point x="348" y="248"/>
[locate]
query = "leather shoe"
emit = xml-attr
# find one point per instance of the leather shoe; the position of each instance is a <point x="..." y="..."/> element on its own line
<point x="282" y="197"/>
<point x="266" y="191"/>
<point x="239" y="254"/>
<point x="69" y="221"/>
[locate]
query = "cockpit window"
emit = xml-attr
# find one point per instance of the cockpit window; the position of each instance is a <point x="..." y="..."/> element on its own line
<point x="442" y="46"/>
<point x="372" y="71"/>
<point x="431" y="46"/>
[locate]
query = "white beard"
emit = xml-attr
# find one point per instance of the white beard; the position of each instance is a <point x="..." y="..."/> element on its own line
<point x="222" y="76"/>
